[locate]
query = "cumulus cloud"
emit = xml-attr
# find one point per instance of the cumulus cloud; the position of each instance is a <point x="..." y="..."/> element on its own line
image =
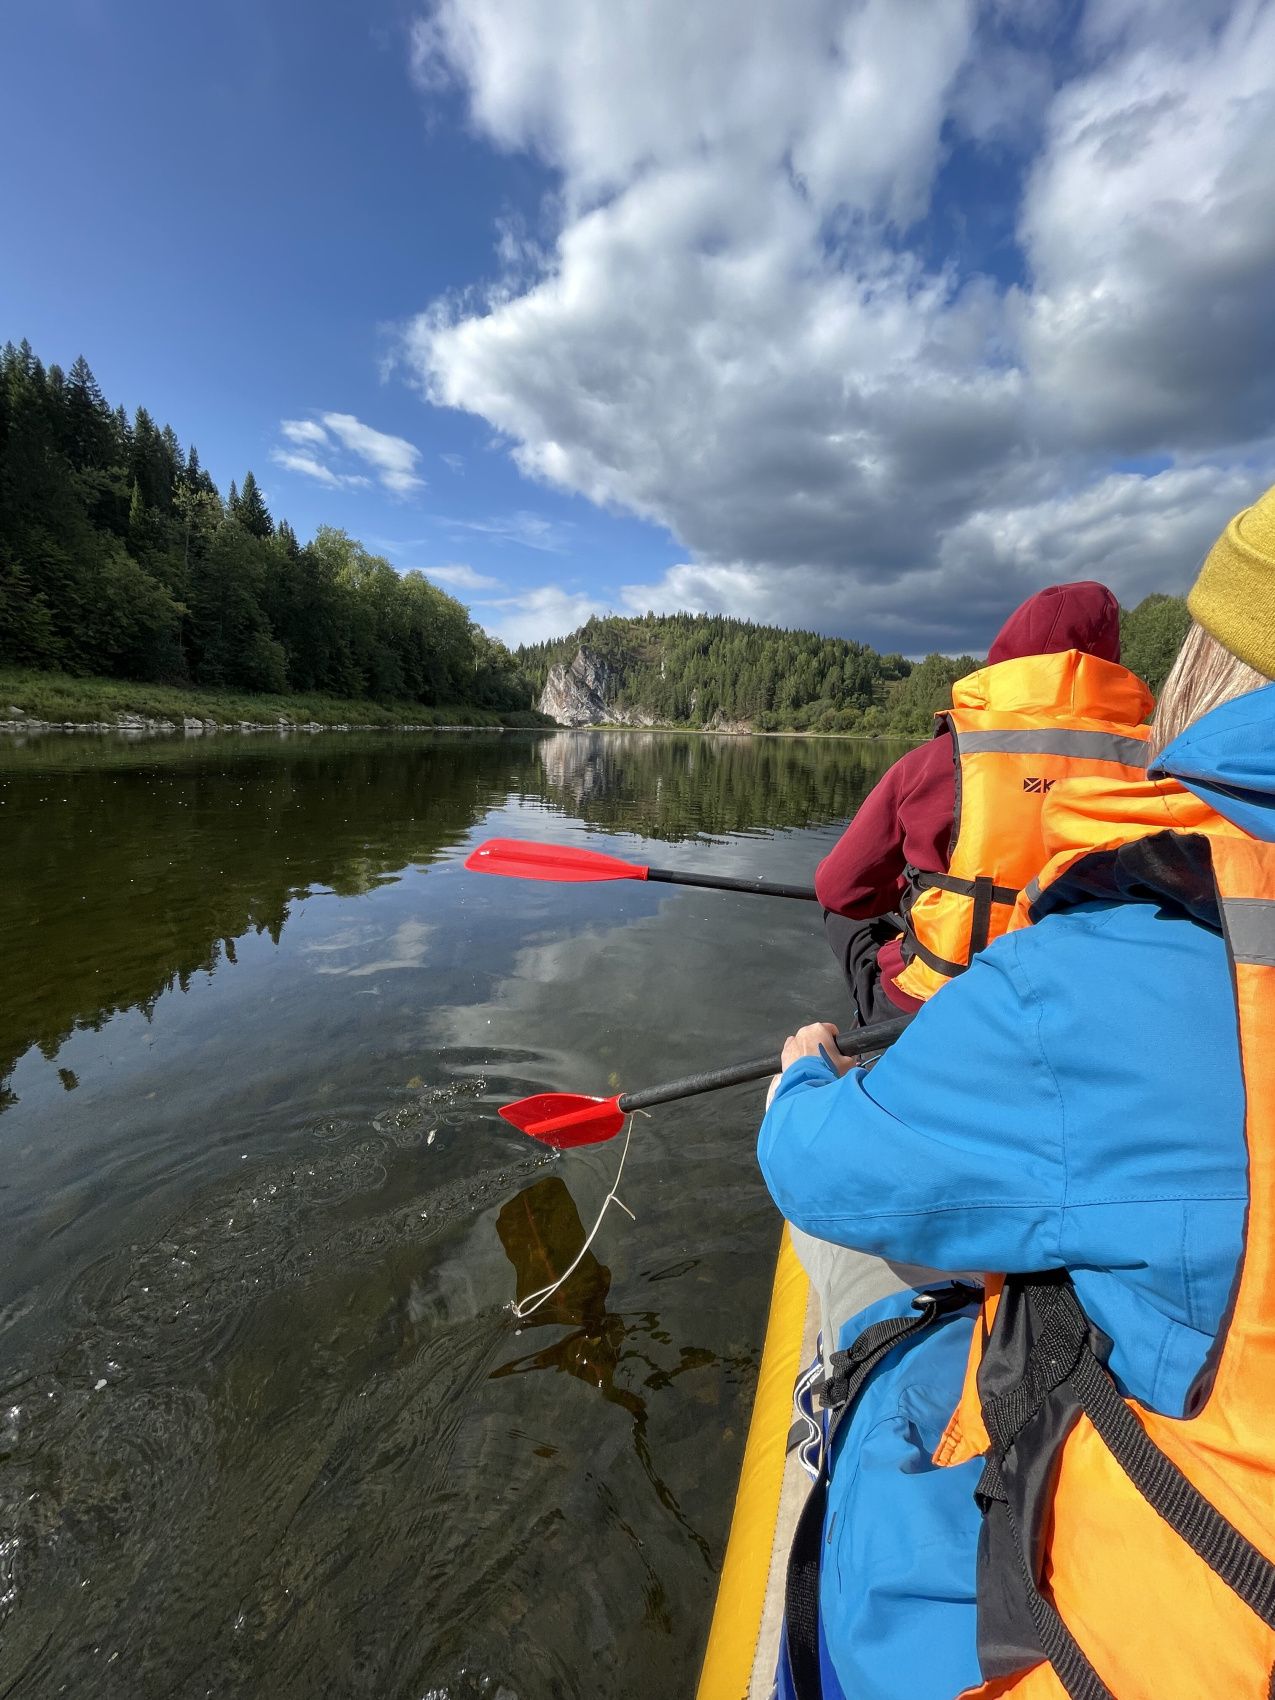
<point x="735" y="323"/>
<point x="546" y="610"/>
<point x="324" y="447"/>
<point x="1148" y="224"/>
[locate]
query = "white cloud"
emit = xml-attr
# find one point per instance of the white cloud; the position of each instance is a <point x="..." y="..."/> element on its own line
<point x="546" y="611"/>
<point x="461" y="577"/>
<point x="293" y="460"/>
<point x="1140" y="533"/>
<point x="533" y="531"/>
<point x="1148" y="225"/>
<point x="393" y="459"/>
<point x="455" y="462"/>
<point x="733" y="326"/>
<point x="304" y="432"/>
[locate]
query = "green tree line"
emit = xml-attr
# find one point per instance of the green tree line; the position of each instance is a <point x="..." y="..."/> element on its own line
<point x="695" y="669"/>
<point x="119" y="556"/>
<point x="700" y="669"/>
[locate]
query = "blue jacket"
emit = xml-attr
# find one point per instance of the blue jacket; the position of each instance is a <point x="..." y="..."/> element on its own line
<point x="1073" y="1101"/>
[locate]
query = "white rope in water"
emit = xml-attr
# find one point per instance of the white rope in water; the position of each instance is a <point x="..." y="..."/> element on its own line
<point x="522" y="1308"/>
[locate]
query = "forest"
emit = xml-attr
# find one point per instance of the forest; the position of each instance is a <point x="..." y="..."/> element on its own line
<point x="120" y="557"/>
<point x="700" y="669"/>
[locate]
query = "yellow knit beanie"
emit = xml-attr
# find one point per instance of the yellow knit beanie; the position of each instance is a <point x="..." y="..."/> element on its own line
<point x="1234" y="596"/>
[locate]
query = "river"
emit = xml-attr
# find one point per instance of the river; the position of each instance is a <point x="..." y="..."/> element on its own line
<point x="267" y="1425"/>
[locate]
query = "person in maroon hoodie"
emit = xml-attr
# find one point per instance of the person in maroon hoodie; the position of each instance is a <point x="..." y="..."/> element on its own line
<point x="906" y="821"/>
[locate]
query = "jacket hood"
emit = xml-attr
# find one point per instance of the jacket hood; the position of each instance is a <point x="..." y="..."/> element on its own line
<point x="1227" y="758"/>
<point x="1084" y="616"/>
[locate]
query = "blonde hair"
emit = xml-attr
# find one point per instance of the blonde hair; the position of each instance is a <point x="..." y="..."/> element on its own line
<point x="1204" y="676"/>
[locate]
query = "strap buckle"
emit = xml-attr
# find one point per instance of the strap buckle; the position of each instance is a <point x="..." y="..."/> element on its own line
<point x="943" y="1301"/>
<point x="849" y="1368"/>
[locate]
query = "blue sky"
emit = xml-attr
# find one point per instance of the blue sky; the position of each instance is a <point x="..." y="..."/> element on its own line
<point x="228" y="212"/>
<point x="870" y="315"/>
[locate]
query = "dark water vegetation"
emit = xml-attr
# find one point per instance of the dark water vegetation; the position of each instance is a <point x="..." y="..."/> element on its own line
<point x="266" y="1423"/>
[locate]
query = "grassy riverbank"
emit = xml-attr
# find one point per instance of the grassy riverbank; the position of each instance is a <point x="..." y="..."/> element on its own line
<point x="58" y="698"/>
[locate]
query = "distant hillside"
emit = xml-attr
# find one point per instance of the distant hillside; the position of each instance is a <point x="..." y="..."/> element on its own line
<point x="710" y="671"/>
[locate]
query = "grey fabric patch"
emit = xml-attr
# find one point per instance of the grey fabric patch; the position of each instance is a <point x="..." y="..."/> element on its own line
<point x="1250" y="927"/>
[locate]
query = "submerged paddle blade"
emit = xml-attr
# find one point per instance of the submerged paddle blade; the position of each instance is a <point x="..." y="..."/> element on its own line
<point x="565" y="1118"/>
<point x="527" y="859"/>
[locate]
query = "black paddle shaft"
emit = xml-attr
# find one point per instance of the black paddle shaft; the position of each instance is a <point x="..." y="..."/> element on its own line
<point x="719" y="882"/>
<point x="858" y="1042"/>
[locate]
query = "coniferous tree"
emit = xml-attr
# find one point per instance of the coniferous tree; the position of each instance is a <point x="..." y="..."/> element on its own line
<point x="118" y="555"/>
<point x="251" y="511"/>
<point x="90" y="432"/>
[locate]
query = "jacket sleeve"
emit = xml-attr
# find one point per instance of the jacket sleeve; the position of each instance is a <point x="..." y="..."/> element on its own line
<point x="949" y="1151"/>
<point x="908" y="811"/>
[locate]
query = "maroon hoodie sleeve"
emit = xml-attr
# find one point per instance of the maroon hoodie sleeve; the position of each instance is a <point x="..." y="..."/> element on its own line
<point x="906" y="817"/>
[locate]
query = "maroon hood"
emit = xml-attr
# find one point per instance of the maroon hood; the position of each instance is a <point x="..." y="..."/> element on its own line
<point x="1083" y="616"/>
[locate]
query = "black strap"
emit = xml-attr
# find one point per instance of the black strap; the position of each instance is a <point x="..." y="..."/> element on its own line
<point x="925" y="881"/>
<point x="912" y="946"/>
<point x="1078" y="1677"/>
<point x="981" y="922"/>
<point x="1063" y="1353"/>
<point x="1245" y="1570"/>
<point x="983" y="893"/>
<point x="850" y="1370"/>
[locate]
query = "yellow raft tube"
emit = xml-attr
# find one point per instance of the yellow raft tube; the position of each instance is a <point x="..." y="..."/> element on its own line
<point x="743" y="1641"/>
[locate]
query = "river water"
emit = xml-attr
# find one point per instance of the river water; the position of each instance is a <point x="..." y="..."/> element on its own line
<point x="267" y="1425"/>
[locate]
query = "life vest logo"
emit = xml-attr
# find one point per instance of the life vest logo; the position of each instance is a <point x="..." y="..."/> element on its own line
<point x="1039" y="785"/>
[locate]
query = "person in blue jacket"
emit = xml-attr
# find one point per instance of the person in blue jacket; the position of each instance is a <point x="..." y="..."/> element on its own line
<point x="1073" y="1101"/>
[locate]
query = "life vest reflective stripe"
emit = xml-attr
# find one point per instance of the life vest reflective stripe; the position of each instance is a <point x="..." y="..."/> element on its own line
<point x="1126" y="749"/>
<point x="1129" y="1555"/>
<point x="1017" y="729"/>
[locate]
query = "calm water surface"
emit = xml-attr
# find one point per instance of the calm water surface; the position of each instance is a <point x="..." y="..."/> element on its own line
<point x="267" y="1426"/>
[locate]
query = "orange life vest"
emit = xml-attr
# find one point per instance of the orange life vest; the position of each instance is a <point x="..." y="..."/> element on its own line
<point x="1128" y="1555"/>
<point x="1017" y="729"/>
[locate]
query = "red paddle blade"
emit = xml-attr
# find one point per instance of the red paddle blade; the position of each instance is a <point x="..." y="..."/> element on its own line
<point x="566" y="1118"/>
<point x="525" y="858"/>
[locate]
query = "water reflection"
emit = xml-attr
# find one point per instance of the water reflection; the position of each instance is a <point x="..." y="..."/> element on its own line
<point x="266" y="1424"/>
<point x="684" y="785"/>
<point x="541" y="1233"/>
<point x="131" y="870"/>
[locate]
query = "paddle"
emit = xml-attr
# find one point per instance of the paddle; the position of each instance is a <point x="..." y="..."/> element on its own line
<point x="568" y="1119"/>
<point x="525" y="858"/>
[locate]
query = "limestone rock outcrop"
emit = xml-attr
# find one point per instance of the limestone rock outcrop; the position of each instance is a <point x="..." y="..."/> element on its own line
<point x="581" y="694"/>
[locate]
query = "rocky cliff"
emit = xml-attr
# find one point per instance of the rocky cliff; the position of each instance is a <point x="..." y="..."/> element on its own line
<point x="582" y="693"/>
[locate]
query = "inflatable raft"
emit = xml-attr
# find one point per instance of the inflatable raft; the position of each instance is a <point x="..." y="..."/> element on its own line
<point x="743" y="1640"/>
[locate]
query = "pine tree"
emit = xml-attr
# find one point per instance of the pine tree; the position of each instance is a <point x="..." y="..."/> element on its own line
<point x="252" y="513"/>
<point x="90" y="431"/>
